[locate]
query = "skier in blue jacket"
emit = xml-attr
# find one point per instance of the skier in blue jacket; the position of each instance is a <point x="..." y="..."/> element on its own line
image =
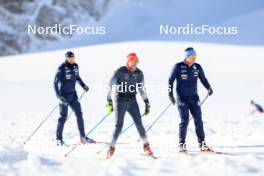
<point x="186" y="74"/>
<point x="64" y="84"/>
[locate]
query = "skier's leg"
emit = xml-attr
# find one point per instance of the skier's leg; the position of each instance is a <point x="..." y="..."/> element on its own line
<point x="120" y="110"/>
<point x="183" y="108"/>
<point x="76" y="107"/>
<point x="61" y="121"/>
<point x="135" y="113"/>
<point x="196" y="112"/>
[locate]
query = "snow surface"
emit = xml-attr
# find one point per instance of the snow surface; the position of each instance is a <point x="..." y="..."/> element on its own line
<point x="27" y="96"/>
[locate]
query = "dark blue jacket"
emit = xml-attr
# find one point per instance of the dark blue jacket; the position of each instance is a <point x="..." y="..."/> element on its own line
<point x="186" y="79"/>
<point x="66" y="78"/>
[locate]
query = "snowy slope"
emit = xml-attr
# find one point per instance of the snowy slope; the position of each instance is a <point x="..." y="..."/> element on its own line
<point x="27" y="96"/>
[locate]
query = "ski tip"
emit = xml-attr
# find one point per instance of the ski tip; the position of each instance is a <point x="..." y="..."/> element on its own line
<point x="65" y="155"/>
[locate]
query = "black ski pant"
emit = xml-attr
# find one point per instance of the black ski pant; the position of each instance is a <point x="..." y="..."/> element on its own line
<point x="122" y="106"/>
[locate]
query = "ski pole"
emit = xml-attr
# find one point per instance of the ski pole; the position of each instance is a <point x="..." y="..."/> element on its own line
<point x="155" y="121"/>
<point x="204" y="99"/>
<point x="79" y="100"/>
<point x="41" y="123"/>
<point x="159" y="116"/>
<point x="74" y="147"/>
<point x="129" y="126"/>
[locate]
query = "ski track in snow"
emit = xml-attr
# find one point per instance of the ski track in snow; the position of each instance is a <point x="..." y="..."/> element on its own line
<point x="27" y="97"/>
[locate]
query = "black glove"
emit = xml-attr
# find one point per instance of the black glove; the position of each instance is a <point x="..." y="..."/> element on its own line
<point x="86" y="88"/>
<point x="61" y="98"/>
<point x="110" y="106"/>
<point x="147" y="107"/>
<point x="172" y="99"/>
<point x="210" y="91"/>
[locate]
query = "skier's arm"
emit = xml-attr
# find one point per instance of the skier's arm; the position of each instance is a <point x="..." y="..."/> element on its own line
<point x="113" y="82"/>
<point x="57" y="81"/>
<point x="143" y="94"/>
<point x="80" y="81"/>
<point x="204" y="79"/>
<point x="171" y="80"/>
<point x="142" y="89"/>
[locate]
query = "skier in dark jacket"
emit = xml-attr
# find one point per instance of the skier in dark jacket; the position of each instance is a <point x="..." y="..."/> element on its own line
<point x="258" y="107"/>
<point x="64" y="84"/>
<point x="127" y="81"/>
<point x="186" y="74"/>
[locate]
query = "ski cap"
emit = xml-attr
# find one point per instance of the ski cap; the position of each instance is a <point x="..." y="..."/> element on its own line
<point x="189" y="52"/>
<point x="132" y="57"/>
<point x="69" y="54"/>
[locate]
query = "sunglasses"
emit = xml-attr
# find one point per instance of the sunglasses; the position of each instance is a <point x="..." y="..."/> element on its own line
<point x="194" y="56"/>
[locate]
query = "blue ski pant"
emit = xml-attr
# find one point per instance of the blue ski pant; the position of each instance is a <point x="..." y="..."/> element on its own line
<point x="72" y="101"/>
<point x="185" y="106"/>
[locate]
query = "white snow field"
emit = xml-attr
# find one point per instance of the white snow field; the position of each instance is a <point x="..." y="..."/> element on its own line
<point x="27" y="96"/>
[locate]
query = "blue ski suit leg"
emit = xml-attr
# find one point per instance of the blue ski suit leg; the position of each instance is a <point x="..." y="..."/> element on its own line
<point x="72" y="101"/>
<point x="193" y="106"/>
<point x="196" y="112"/>
<point x="183" y="108"/>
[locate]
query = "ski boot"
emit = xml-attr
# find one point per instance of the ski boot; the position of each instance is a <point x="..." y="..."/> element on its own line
<point x="183" y="148"/>
<point x="60" y="143"/>
<point x="86" y="140"/>
<point x="110" y="152"/>
<point x="147" y="149"/>
<point x="205" y="148"/>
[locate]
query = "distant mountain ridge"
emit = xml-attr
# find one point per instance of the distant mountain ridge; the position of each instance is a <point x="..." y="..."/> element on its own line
<point x="15" y="16"/>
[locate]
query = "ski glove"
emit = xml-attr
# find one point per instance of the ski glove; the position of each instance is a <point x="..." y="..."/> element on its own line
<point x="61" y="98"/>
<point x="109" y="106"/>
<point x="86" y="88"/>
<point x="147" y="107"/>
<point x="172" y="99"/>
<point x="210" y="91"/>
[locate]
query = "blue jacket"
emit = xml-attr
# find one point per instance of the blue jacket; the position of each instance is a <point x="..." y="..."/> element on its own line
<point x="186" y="79"/>
<point x="66" y="78"/>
